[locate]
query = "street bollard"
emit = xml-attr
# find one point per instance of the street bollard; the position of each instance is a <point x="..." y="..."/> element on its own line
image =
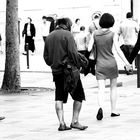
<point x="27" y="50"/>
<point x="138" y="71"/>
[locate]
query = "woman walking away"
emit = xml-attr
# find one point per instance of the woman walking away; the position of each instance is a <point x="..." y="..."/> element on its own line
<point x="106" y="66"/>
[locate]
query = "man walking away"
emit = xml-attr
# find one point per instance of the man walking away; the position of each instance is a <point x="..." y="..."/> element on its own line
<point x="129" y="30"/>
<point x="60" y="45"/>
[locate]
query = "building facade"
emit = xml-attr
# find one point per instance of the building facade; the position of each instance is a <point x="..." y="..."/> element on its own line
<point x="82" y="9"/>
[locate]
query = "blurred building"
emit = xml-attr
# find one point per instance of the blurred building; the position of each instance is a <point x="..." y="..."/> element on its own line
<point x="136" y="9"/>
<point x="82" y="9"/>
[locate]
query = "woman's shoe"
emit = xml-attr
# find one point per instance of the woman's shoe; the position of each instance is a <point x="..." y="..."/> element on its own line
<point x="115" y="115"/>
<point x="100" y="114"/>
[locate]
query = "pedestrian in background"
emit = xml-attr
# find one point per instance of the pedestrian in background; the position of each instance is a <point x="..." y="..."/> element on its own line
<point x="95" y="22"/>
<point x="45" y="27"/>
<point x="89" y="43"/>
<point x="106" y="65"/>
<point x="59" y="46"/>
<point x="80" y="40"/>
<point x="76" y="27"/>
<point x="29" y="32"/>
<point x="128" y="30"/>
<point x="53" y="23"/>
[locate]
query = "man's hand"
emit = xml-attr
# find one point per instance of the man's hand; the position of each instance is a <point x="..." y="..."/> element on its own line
<point x="128" y="69"/>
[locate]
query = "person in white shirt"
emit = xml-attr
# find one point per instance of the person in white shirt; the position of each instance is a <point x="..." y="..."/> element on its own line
<point x="129" y="31"/>
<point x="76" y="27"/>
<point x="45" y="27"/>
<point x="80" y="40"/>
<point x="95" y="22"/>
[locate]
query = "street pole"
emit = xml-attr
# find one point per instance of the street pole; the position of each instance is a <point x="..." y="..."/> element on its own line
<point x="138" y="71"/>
<point x="132" y="10"/>
<point x="27" y="50"/>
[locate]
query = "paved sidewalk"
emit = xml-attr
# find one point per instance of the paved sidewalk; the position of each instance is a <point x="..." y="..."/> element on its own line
<point x="31" y="116"/>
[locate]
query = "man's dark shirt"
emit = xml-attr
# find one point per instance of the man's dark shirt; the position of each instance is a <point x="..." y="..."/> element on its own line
<point x="60" y="45"/>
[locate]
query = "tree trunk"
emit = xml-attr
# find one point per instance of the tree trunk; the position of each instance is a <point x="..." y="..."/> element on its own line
<point x="11" y="79"/>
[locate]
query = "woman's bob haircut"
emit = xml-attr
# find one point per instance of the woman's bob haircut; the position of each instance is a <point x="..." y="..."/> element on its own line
<point x="106" y="21"/>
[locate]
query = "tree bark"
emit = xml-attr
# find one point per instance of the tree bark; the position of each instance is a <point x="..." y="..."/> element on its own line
<point x="11" y="79"/>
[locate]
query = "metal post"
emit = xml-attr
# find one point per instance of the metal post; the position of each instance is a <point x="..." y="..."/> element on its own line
<point x="138" y="71"/>
<point x="19" y="30"/>
<point x="132" y="9"/>
<point x="27" y="50"/>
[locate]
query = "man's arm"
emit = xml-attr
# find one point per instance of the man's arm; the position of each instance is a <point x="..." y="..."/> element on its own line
<point x="45" y="54"/>
<point x="34" y="30"/>
<point x="72" y="51"/>
<point x="135" y="50"/>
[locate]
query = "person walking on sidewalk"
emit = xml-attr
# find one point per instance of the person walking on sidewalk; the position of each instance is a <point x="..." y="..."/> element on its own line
<point x="94" y="26"/>
<point x="128" y="30"/>
<point x="106" y="66"/>
<point x="76" y="27"/>
<point x="45" y="27"/>
<point x="60" y="45"/>
<point x="29" y="32"/>
<point x="80" y="40"/>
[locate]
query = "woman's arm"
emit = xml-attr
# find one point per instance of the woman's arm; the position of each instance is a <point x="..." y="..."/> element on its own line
<point x="118" y="50"/>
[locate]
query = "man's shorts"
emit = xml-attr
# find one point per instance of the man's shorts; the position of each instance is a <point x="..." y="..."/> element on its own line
<point x="60" y="95"/>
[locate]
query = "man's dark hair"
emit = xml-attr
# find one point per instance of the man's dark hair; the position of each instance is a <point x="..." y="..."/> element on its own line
<point x="106" y="20"/>
<point x="44" y="17"/>
<point x="77" y="20"/>
<point x="129" y="15"/>
<point x="65" y="21"/>
<point x="96" y="17"/>
<point x="30" y="19"/>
